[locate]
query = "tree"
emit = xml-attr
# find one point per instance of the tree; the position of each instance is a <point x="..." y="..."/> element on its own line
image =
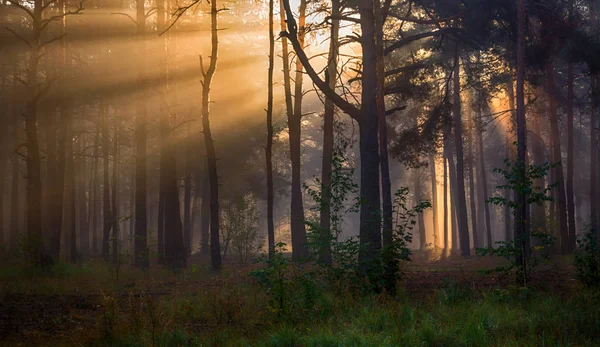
<point x="269" y="147"/>
<point x="211" y="156"/>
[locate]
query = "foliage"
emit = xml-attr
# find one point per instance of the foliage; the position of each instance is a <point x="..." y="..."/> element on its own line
<point x="290" y="295"/>
<point x="513" y="249"/>
<point x="587" y="260"/>
<point x="240" y="228"/>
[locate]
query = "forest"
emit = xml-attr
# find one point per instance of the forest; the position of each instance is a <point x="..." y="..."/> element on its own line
<point x="299" y="172"/>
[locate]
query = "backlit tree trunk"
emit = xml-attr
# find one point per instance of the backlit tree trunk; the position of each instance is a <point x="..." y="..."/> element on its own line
<point x="269" y="147"/>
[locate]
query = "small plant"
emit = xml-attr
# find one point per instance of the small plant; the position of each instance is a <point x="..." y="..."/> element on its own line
<point x="587" y="259"/>
<point x="273" y="278"/>
<point x="523" y="257"/>
<point x="240" y="228"/>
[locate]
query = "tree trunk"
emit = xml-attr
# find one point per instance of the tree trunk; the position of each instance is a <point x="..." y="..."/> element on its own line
<point x="563" y="221"/>
<point x="116" y="249"/>
<point x="331" y="76"/>
<point x="483" y="185"/>
<point x="386" y="184"/>
<point x="463" y="224"/>
<point x="93" y="213"/>
<point x="521" y="213"/>
<point x="269" y="147"/>
<point x="107" y="214"/>
<point x="205" y="215"/>
<point x="33" y="161"/>
<point x="595" y="85"/>
<point x="471" y="168"/>
<point x="509" y="154"/>
<point x="420" y="218"/>
<point x="141" y="216"/>
<point x="211" y="156"/>
<point x="445" y="203"/>
<point x="298" y="229"/>
<point x="434" y="201"/>
<point x="84" y="228"/>
<point x="370" y="220"/>
<point x="538" y="212"/>
<point x="570" y="161"/>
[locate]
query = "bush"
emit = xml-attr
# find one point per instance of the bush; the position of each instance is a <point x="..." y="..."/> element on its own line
<point x="587" y="260"/>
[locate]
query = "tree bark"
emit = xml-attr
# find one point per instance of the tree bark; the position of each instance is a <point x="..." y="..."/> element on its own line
<point x="471" y="168"/>
<point x="328" y="118"/>
<point x="483" y="185"/>
<point x="211" y="156"/>
<point x="521" y="213"/>
<point x="269" y="147"/>
<point x="107" y="213"/>
<point x="563" y="220"/>
<point x="434" y="201"/>
<point x="463" y="223"/>
<point x="141" y="213"/>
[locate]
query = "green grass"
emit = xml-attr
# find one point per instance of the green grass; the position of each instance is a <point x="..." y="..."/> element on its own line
<point x="508" y="317"/>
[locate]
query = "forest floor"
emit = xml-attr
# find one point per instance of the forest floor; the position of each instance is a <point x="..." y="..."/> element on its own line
<point x="440" y="303"/>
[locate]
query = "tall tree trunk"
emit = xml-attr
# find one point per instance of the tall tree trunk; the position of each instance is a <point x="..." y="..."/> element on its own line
<point x="386" y="183"/>
<point x="187" y="208"/>
<point x="521" y="213"/>
<point x="370" y="221"/>
<point x="269" y="147"/>
<point x="445" y="203"/>
<point x="328" y="115"/>
<point x="434" y="201"/>
<point x="205" y="214"/>
<point x="471" y="169"/>
<point x="116" y="249"/>
<point x="163" y="120"/>
<point x="463" y="224"/>
<point x="107" y="214"/>
<point x="84" y="227"/>
<point x="570" y="153"/>
<point x="141" y="213"/>
<point x="211" y="156"/>
<point x="33" y="161"/>
<point x="94" y="195"/>
<point x="509" y="154"/>
<point x="538" y="212"/>
<point x="483" y="185"/>
<point x="298" y="229"/>
<point x="69" y="207"/>
<point x="595" y="85"/>
<point x="453" y="198"/>
<point x="420" y="218"/>
<point x="557" y="157"/>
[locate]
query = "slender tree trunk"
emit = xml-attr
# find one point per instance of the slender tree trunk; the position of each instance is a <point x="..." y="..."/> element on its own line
<point x="509" y="154"/>
<point x="187" y="209"/>
<point x="420" y="219"/>
<point x="33" y="160"/>
<point x="595" y="85"/>
<point x="107" y="214"/>
<point x="141" y="214"/>
<point x="298" y="229"/>
<point x="463" y="225"/>
<point x="538" y="212"/>
<point x="521" y="213"/>
<point x="211" y="156"/>
<point x="434" y="201"/>
<point x="205" y="215"/>
<point x="386" y="184"/>
<point x="471" y="168"/>
<point x="563" y="221"/>
<point x="84" y="228"/>
<point x="445" y="204"/>
<point x="269" y="147"/>
<point x="570" y="161"/>
<point x="116" y="249"/>
<point x="331" y="76"/>
<point x="94" y="192"/>
<point x="483" y="184"/>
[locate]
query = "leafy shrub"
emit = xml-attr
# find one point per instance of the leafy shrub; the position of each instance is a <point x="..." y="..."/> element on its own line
<point x="240" y="228"/>
<point x="587" y="260"/>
